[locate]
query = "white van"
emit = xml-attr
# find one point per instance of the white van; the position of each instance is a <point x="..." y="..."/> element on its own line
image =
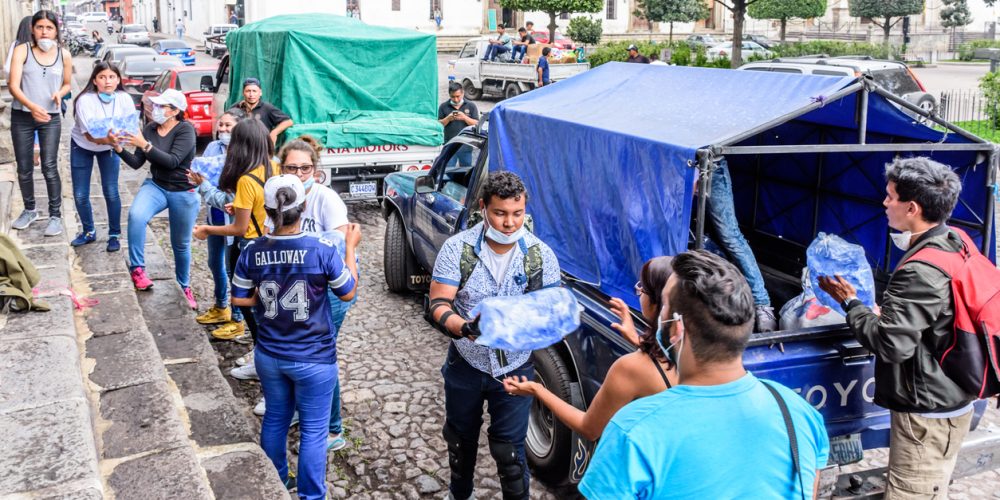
<point x="213" y="48"/>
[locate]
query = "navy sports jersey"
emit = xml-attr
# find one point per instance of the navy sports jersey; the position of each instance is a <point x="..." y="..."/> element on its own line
<point x="291" y="274"/>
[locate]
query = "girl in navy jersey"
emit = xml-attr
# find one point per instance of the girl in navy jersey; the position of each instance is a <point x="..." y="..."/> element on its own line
<point x="284" y="277"/>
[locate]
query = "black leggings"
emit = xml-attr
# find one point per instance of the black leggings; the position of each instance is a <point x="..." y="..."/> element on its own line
<point x="234" y="251"/>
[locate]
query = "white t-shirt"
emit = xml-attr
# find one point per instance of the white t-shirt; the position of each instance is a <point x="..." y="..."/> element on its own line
<point x="325" y="211"/>
<point x="496" y="263"/>
<point x="89" y="106"/>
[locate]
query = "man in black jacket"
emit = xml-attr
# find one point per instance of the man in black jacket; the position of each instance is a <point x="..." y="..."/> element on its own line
<point x="930" y="413"/>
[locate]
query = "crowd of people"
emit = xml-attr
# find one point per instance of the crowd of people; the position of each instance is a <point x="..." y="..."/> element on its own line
<point x="670" y="418"/>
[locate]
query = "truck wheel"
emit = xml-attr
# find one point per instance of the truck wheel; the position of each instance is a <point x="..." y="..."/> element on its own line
<point x="548" y="445"/>
<point x="396" y="254"/>
<point x="512" y="90"/>
<point x="471" y="91"/>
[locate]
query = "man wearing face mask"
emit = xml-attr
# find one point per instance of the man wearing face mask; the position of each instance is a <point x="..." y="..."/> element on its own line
<point x="497" y="257"/>
<point x="916" y="323"/>
<point x="692" y="440"/>
<point x="254" y="106"/>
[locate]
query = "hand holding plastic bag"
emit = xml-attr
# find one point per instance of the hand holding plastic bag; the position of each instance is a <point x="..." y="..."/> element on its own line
<point x="527" y="322"/>
<point x="98" y="128"/>
<point x="125" y="124"/>
<point x="210" y="167"/>
<point x="805" y="311"/>
<point x="830" y="255"/>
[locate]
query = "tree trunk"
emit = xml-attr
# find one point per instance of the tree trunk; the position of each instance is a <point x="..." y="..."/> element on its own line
<point x="650" y="32"/>
<point x="739" y="13"/>
<point x="784" y="23"/>
<point x="671" y="33"/>
<point x="552" y="27"/>
<point x="886" y="29"/>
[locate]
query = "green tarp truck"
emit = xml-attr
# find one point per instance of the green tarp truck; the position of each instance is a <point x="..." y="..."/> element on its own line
<point x="368" y="93"/>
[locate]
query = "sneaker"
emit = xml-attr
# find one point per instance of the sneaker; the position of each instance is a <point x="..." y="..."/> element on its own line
<point x="54" y="227"/>
<point x="245" y="359"/>
<point x="245" y="372"/>
<point x="189" y="295"/>
<point x="113" y="244"/>
<point x="214" y="316"/>
<point x="335" y="442"/>
<point x="140" y="280"/>
<point x="229" y="331"/>
<point x="260" y="408"/>
<point x="291" y="484"/>
<point x="245" y="339"/>
<point x="83" y="239"/>
<point x="26" y="218"/>
<point x="766" y="322"/>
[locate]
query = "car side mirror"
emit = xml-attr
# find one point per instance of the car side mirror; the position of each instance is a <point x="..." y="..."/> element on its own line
<point x="147" y="86"/>
<point x="206" y="84"/>
<point x="424" y="184"/>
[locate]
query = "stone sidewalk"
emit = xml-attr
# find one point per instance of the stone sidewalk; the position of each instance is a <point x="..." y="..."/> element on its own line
<point x="120" y="398"/>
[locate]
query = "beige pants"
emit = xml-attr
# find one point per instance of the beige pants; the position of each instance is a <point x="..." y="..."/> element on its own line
<point x="922" y="454"/>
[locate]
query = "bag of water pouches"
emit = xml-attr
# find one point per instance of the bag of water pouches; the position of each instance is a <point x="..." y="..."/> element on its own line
<point x="805" y="311"/>
<point x="527" y="322"/>
<point x="210" y="167"/>
<point x="830" y="255"/>
<point x="98" y="128"/>
<point x="126" y="124"/>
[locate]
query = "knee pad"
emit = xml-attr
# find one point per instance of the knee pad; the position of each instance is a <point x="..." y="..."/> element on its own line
<point x="511" y="469"/>
<point x="461" y="454"/>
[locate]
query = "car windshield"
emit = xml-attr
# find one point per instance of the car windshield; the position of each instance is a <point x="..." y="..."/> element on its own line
<point x="173" y="44"/>
<point x="895" y="80"/>
<point x="147" y="66"/>
<point x="134" y="29"/>
<point x="191" y="80"/>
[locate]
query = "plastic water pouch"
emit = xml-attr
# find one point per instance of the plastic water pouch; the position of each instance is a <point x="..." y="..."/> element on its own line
<point x="527" y="322"/>
<point x="98" y="128"/>
<point x="210" y="167"/>
<point x="805" y="311"/>
<point x="830" y="255"/>
<point x="126" y="124"/>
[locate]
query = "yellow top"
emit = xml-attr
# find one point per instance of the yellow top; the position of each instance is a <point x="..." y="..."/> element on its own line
<point x="250" y="196"/>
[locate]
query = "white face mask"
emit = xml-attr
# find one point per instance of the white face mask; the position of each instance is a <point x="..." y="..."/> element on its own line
<point x="902" y="240"/>
<point x="674" y="355"/>
<point x="46" y="44"/>
<point x="502" y="238"/>
<point x="160" y="115"/>
<point x="224" y="137"/>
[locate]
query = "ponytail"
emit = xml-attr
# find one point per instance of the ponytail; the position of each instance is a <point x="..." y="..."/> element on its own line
<point x="282" y="218"/>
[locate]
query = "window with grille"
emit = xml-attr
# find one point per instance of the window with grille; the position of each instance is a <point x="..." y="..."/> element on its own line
<point x="395" y="5"/>
<point x="612" y="7"/>
<point x="435" y="6"/>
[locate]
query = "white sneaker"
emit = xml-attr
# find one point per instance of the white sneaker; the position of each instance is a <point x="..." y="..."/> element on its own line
<point x="245" y="372"/>
<point x="245" y="359"/>
<point x="25" y="219"/>
<point x="54" y="227"/>
<point x="260" y="408"/>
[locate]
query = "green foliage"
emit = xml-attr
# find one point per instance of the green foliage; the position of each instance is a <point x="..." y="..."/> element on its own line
<point x="585" y="30"/>
<point x="835" y="48"/>
<point x="967" y="51"/>
<point x="671" y="11"/>
<point x="990" y="85"/>
<point x="681" y="53"/>
<point x="884" y="9"/>
<point x="554" y="6"/>
<point x="982" y="128"/>
<point x="787" y="9"/>
<point x="955" y="14"/>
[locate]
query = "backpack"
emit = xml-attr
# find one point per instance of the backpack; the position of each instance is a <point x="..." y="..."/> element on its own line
<point x="972" y="359"/>
<point x="532" y="266"/>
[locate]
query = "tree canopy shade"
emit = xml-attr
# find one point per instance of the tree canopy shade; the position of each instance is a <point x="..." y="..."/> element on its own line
<point x="671" y="11"/>
<point x="955" y="14"/>
<point x="882" y="12"/>
<point x="783" y="10"/>
<point x="553" y="8"/>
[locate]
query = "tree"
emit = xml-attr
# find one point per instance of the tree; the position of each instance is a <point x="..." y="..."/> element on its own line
<point x="739" y="10"/>
<point x="671" y="11"/>
<point x="584" y="30"/>
<point x="955" y="14"/>
<point x="882" y="12"/>
<point x="783" y="10"/>
<point x="553" y="8"/>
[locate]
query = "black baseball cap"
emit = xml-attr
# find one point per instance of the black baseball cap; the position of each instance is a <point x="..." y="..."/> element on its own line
<point x="251" y="81"/>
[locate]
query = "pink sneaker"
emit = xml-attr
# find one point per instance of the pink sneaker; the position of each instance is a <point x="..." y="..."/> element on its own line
<point x="188" y="294"/>
<point x="140" y="280"/>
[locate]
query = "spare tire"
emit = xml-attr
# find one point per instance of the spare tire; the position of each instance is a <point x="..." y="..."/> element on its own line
<point x="548" y="444"/>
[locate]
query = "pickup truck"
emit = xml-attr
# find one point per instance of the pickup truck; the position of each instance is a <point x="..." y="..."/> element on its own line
<point x="609" y="168"/>
<point x="503" y="79"/>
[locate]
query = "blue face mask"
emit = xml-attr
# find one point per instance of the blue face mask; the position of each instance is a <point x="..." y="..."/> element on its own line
<point x="106" y="97"/>
<point x="309" y="183"/>
<point x="224" y="137"/>
<point x="159" y="114"/>
<point x="673" y="355"/>
<point x="502" y="238"/>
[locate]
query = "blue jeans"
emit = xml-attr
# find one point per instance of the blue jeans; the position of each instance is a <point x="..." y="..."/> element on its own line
<point x="217" y="264"/>
<point x="290" y="385"/>
<point x="338" y="310"/>
<point x="494" y="50"/>
<point x="81" y="162"/>
<point x="721" y="214"/>
<point x="182" y="209"/>
<point x="519" y="49"/>
<point x="465" y="390"/>
<point x="462" y="157"/>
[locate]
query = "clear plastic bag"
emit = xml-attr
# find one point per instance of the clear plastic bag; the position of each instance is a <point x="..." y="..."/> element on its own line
<point x="805" y="311"/>
<point x="830" y="255"/>
<point x="99" y="128"/>
<point x="526" y="322"/>
<point x="210" y="167"/>
<point x="126" y="124"/>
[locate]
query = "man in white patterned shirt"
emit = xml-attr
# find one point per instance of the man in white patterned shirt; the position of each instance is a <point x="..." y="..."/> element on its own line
<point x="497" y="257"/>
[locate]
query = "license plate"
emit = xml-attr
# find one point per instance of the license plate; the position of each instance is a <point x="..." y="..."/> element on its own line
<point x="363" y="190"/>
<point x="846" y="449"/>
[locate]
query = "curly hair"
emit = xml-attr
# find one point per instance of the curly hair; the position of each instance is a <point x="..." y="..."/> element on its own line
<point x="305" y="144"/>
<point x="653" y="279"/>
<point x="503" y="185"/>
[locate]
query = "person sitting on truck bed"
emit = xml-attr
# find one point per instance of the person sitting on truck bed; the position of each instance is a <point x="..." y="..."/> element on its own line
<point x="455" y="114"/>
<point x="633" y="376"/>
<point x="917" y="318"/>
<point x="500" y="45"/>
<point x="521" y="46"/>
<point x="720" y="433"/>
<point x="721" y="214"/>
<point x="273" y="118"/>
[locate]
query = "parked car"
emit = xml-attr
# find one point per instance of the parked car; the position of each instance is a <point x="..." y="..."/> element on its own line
<point x="108" y="46"/>
<point x="543" y="37"/>
<point x="213" y="47"/>
<point x="725" y="49"/>
<point x="116" y="55"/>
<point x="140" y="71"/>
<point x="762" y="40"/>
<point x="702" y="40"/>
<point x="93" y="17"/>
<point x="502" y="79"/>
<point x="67" y="18"/>
<point x="76" y="28"/>
<point x="177" y="48"/>
<point x="197" y="84"/>
<point x="134" y="33"/>
<point x="894" y="76"/>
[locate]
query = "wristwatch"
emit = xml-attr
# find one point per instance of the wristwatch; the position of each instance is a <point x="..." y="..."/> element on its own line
<point x="148" y="147"/>
<point x="847" y="303"/>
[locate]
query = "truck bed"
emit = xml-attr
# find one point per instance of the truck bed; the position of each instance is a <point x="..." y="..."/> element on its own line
<point x="528" y="72"/>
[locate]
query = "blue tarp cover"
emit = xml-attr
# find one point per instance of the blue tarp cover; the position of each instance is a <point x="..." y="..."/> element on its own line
<point x="613" y="150"/>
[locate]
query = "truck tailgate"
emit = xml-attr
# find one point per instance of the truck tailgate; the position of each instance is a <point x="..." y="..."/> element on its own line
<point x="389" y="154"/>
<point x="563" y="71"/>
<point x="508" y="71"/>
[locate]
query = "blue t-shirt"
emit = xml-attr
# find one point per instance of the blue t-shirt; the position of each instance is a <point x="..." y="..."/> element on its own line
<point x="544" y="64"/>
<point x="720" y="442"/>
<point x="291" y="275"/>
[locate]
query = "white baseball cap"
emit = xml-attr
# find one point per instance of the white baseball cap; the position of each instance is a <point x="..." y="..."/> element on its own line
<point x="172" y="97"/>
<point x="277" y="182"/>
